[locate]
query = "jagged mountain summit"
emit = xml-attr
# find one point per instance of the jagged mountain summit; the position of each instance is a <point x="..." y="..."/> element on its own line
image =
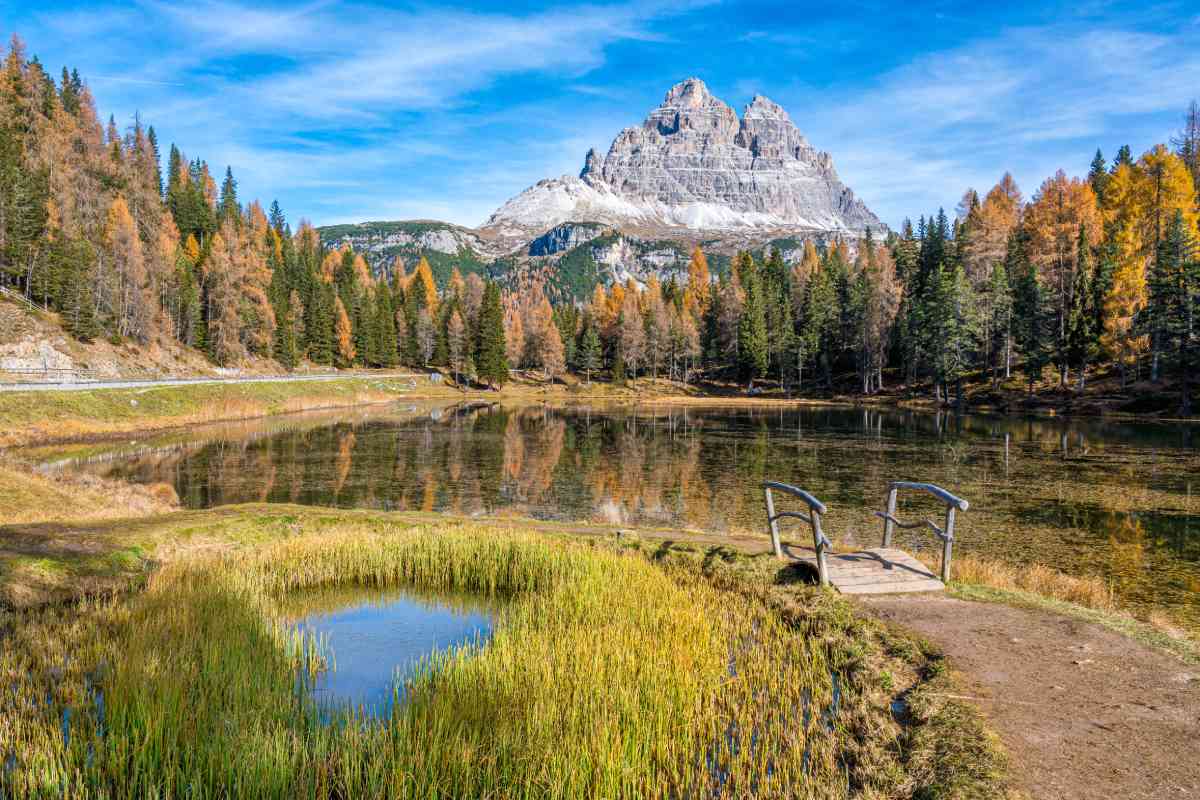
<point x="694" y="165"/>
<point x="693" y="173"/>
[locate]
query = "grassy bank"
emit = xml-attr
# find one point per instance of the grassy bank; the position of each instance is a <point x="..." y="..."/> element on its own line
<point x="48" y="416"/>
<point x="615" y="671"/>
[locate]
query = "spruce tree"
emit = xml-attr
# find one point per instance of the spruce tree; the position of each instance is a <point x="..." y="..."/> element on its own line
<point x="589" y="351"/>
<point x="386" y="353"/>
<point x="491" y="360"/>
<point x="752" y="327"/>
<point x="1098" y="175"/>
<point x="1000" y="305"/>
<point x="228" y="207"/>
<point x="1176" y="271"/>
<point x="156" y="157"/>
<point x="1081" y="338"/>
<point x="275" y="218"/>
<point x="1124" y="157"/>
<point x="1032" y="324"/>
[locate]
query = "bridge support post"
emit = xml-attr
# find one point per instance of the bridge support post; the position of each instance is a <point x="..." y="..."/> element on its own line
<point x="889" y="522"/>
<point x="774" y="523"/>
<point x="819" y="544"/>
<point x="947" y="544"/>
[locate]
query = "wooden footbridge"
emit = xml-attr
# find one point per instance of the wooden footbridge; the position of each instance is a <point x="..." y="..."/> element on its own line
<point x="877" y="570"/>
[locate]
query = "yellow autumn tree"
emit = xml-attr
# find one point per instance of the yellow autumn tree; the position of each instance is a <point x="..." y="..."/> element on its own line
<point x="994" y="221"/>
<point x="343" y="335"/>
<point x="362" y="272"/>
<point x="223" y="299"/>
<point x="191" y="249"/>
<point x="124" y="285"/>
<point x="1165" y="187"/>
<point x="1123" y="213"/>
<point x="425" y="274"/>
<point x="697" y="296"/>
<point x="457" y="287"/>
<point x="1060" y="209"/>
<point x="330" y="265"/>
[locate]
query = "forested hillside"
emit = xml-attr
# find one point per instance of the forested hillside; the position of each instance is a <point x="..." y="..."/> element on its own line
<point x="1093" y="272"/>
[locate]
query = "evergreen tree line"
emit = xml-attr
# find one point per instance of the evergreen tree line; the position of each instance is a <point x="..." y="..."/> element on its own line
<point x="1094" y="272"/>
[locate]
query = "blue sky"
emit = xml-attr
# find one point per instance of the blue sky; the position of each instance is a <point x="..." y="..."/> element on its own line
<point x="355" y="111"/>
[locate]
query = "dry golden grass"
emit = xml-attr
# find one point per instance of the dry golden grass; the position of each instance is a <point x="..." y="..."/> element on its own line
<point x="43" y="417"/>
<point x="1089" y="592"/>
<point x="28" y="497"/>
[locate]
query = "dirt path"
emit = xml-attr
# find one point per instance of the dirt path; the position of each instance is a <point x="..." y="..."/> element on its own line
<point x="1084" y="711"/>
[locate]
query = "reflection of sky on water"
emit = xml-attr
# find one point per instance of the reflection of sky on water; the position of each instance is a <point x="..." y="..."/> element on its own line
<point x="377" y="639"/>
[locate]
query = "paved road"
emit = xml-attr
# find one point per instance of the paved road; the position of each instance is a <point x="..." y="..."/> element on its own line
<point x="138" y="384"/>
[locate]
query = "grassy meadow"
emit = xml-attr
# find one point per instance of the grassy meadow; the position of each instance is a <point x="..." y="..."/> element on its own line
<point x="617" y="669"/>
<point x="40" y="417"/>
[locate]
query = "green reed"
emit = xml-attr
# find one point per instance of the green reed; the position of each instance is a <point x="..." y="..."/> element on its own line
<point x="607" y="676"/>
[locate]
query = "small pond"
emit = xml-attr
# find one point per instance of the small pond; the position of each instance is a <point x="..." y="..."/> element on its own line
<point x="375" y="639"/>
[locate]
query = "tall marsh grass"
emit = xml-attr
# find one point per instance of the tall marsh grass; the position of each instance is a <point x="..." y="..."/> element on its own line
<point x="607" y="676"/>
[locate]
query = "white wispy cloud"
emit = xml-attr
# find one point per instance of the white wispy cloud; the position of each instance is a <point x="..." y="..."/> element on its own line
<point x="1028" y="100"/>
<point x="349" y="106"/>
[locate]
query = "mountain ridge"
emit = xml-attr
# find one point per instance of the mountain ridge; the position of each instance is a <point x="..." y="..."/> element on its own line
<point x="693" y="172"/>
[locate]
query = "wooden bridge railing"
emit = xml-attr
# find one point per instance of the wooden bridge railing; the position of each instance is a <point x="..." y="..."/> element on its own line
<point x="945" y="533"/>
<point x="816" y="508"/>
<point x="821" y="543"/>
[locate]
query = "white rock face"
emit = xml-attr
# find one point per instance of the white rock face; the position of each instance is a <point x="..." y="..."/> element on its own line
<point x="447" y="239"/>
<point x="694" y="164"/>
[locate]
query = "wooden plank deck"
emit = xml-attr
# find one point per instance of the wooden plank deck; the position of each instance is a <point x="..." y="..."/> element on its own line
<point x="877" y="570"/>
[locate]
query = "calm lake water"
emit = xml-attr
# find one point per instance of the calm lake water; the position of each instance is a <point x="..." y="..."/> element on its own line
<point x="1091" y="497"/>
<point x="376" y="639"/>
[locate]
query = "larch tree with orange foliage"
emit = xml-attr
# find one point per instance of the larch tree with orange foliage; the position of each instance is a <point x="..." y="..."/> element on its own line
<point x="698" y="294"/>
<point x="1061" y="209"/>
<point x="343" y="335"/>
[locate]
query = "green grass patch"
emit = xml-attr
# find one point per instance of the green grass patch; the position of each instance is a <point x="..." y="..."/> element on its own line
<point x="618" y="668"/>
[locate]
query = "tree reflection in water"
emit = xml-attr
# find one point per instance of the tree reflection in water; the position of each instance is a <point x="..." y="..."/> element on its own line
<point x="1092" y="496"/>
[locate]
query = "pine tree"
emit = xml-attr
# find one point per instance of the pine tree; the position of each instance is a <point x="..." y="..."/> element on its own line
<point x="1033" y="328"/>
<point x="1177" y="272"/>
<point x="752" y="326"/>
<point x="1081" y="337"/>
<point x="999" y="306"/>
<point x="228" y="208"/>
<point x="589" y="350"/>
<point x="386" y="353"/>
<point x="1098" y="175"/>
<point x="491" y="361"/>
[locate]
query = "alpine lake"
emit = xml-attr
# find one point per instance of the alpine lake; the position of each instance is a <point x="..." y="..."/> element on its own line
<point x="1116" y="500"/>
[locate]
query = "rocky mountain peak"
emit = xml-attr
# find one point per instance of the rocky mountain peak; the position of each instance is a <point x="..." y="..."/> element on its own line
<point x="763" y="107"/>
<point x="694" y="164"/>
<point x="591" y="164"/>
<point x="691" y="92"/>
